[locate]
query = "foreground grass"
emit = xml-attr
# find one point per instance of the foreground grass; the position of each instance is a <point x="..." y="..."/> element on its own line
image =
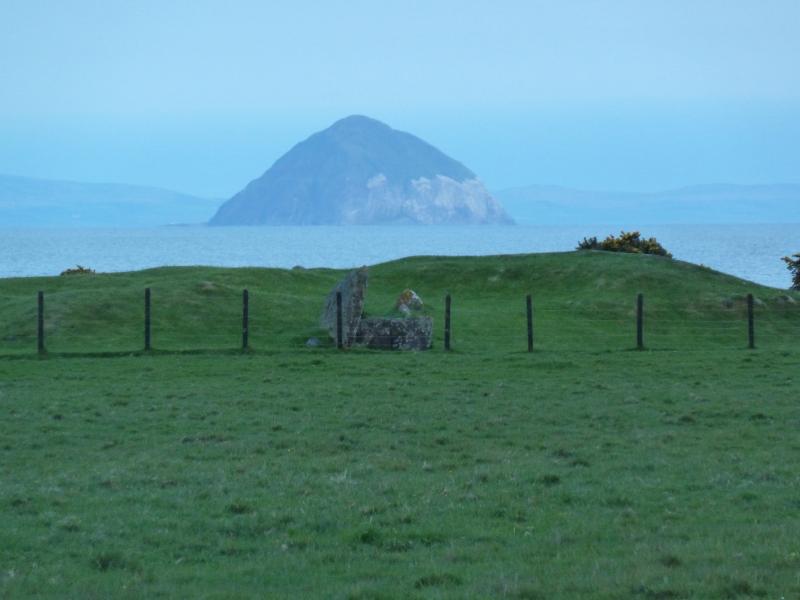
<point x="584" y="469"/>
<point x="650" y="475"/>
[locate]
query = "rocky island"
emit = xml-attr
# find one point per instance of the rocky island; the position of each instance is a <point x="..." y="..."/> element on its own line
<point x="360" y="171"/>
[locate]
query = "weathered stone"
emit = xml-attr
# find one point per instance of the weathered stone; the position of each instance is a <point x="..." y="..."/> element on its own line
<point x="353" y="289"/>
<point x="739" y="301"/>
<point x="408" y="301"/>
<point x="313" y="342"/>
<point x="396" y="334"/>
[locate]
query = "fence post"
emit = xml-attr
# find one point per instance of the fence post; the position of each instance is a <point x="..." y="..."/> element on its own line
<point x="640" y="322"/>
<point x="147" y="319"/>
<point x="529" y="310"/>
<point x="339" y="340"/>
<point x="751" y="329"/>
<point x="40" y="323"/>
<point x="447" y="322"/>
<point x="245" y="319"/>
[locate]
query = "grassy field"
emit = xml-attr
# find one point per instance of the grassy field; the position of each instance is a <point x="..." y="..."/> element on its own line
<point x="584" y="469"/>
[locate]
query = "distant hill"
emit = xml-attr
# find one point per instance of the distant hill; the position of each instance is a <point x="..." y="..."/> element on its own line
<point x="29" y="202"/>
<point x="718" y="203"/>
<point x="361" y="171"/>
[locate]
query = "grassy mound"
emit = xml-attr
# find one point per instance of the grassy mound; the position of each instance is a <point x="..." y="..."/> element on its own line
<point x="583" y="300"/>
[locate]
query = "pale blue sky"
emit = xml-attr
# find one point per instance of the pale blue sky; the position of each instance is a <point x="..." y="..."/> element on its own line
<point x="203" y="96"/>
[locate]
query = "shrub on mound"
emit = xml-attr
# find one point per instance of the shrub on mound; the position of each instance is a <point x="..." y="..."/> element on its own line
<point x="78" y="270"/>
<point x="627" y="241"/>
<point x="793" y="264"/>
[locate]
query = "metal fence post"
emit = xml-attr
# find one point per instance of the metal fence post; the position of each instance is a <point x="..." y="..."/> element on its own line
<point x="40" y="323"/>
<point x="245" y="319"/>
<point x="529" y="311"/>
<point x="640" y="321"/>
<point x="147" y="319"/>
<point x="339" y="340"/>
<point x="447" y="322"/>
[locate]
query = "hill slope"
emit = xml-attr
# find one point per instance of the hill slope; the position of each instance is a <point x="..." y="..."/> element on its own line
<point x="717" y="203"/>
<point x="29" y="202"/>
<point x="583" y="300"/>
<point x="361" y="171"/>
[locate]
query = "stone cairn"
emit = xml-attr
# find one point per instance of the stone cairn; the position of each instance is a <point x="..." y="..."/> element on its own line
<point x="409" y="332"/>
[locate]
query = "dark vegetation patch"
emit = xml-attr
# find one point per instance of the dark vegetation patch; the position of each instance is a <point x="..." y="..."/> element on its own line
<point x="550" y="479"/>
<point x="111" y="560"/>
<point x="438" y="580"/>
<point x="741" y="588"/>
<point x="643" y="591"/>
<point x="239" y="508"/>
<point x="670" y="560"/>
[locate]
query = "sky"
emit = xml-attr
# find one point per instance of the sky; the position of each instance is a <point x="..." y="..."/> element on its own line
<point x="203" y="96"/>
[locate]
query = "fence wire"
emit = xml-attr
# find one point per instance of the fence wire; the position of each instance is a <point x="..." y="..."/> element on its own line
<point x="182" y="321"/>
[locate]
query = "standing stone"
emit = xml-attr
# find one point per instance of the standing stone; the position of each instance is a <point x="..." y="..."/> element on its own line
<point x="353" y="289"/>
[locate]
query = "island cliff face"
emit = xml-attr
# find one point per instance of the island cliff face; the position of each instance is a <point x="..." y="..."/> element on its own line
<point x="360" y="171"/>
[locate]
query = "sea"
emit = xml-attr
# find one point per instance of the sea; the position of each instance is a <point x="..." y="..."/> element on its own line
<point x="752" y="252"/>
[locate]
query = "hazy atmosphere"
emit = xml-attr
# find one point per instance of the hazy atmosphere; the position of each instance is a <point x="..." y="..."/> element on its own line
<point x="201" y="97"/>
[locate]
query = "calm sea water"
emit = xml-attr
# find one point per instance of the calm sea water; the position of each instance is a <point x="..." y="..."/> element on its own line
<point x="749" y="251"/>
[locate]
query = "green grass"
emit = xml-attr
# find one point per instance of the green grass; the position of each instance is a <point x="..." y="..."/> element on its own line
<point x="585" y="469"/>
<point x="582" y="301"/>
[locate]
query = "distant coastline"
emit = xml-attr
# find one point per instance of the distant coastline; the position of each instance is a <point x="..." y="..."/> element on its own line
<point x="27" y="202"/>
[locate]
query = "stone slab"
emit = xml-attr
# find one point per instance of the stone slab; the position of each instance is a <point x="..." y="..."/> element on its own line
<point x="353" y="288"/>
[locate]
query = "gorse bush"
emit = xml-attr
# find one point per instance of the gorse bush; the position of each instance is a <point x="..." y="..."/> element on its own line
<point x="588" y="244"/>
<point x="793" y="264"/>
<point x="627" y="241"/>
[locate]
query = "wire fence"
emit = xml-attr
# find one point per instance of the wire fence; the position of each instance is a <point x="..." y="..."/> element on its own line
<point x="236" y="321"/>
